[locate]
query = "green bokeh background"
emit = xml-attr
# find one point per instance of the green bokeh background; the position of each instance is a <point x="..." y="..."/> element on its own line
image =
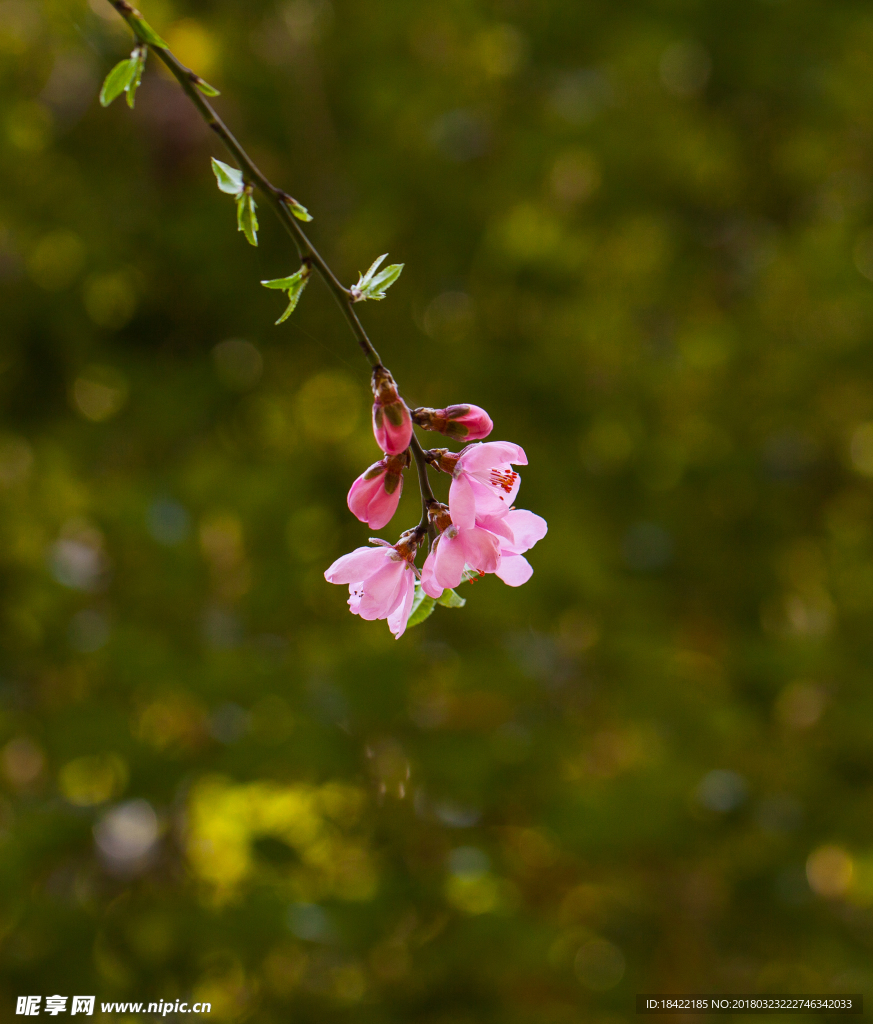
<point x="639" y="235"/>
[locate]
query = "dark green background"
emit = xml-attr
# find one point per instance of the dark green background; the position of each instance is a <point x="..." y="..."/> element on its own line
<point x="639" y="235"/>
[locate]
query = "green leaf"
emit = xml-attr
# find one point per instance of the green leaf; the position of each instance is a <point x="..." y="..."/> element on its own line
<point x="422" y="607"/>
<point x="365" y="279"/>
<point x="118" y="79"/>
<point x="292" y="305"/>
<point x="382" y="282"/>
<point x="147" y="33"/>
<point x="139" y="58"/>
<point x="294" y="286"/>
<point x="206" y="88"/>
<point x="372" y="285"/>
<point x="246" y="218"/>
<point x="299" y="210"/>
<point x="449" y="599"/>
<point x="282" y="284"/>
<point x="230" y="180"/>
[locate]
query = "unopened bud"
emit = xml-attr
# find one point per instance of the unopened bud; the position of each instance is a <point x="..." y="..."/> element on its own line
<point x="374" y="496"/>
<point x="442" y="459"/>
<point x="391" y="421"/>
<point x="463" y="422"/>
<point x="407" y="545"/>
<point x="438" y="515"/>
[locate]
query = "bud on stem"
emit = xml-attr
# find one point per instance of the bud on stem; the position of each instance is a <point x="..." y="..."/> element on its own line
<point x="462" y="422"/>
<point x="391" y="421"/>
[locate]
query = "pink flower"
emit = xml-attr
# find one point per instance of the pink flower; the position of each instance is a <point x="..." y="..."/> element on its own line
<point x="483" y="480"/>
<point x="517" y="531"/>
<point x="463" y="422"/>
<point x="374" y="495"/>
<point x="381" y="581"/>
<point x="391" y="421"/>
<point x="456" y="549"/>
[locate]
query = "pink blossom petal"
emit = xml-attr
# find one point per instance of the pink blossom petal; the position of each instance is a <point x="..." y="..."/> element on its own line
<point x="384" y="505"/>
<point x="357" y="565"/>
<point x="379" y="425"/>
<point x="462" y="502"/>
<point x="380" y="590"/>
<point x="527" y="528"/>
<point x="493" y="500"/>
<point x="362" y="493"/>
<point x="449" y="562"/>
<point x="398" y="436"/>
<point x="481" y="549"/>
<point x="400" y="616"/>
<point x="514" y="569"/>
<point x="482" y="457"/>
<point x="498" y="525"/>
<point x="428" y="580"/>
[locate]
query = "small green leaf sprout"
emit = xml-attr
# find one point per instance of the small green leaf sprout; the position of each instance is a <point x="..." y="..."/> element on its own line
<point x="204" y="86"/>
<point x="372" y="285"/>
<point x="246" y="218"/>
<point x="124" y="78"/>
<point x="146" y="32"/>
<point x="292" y="286"/>
<point x="230" y="180"/>
<point x="298" y="209"/>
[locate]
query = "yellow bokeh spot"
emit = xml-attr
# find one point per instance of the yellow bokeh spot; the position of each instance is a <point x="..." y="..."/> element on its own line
<point x="474" y="894"/>
<point x="225" y="992"/>
<point x="226" y="820"/>
<point x="529" y="233"/>
<point x="861" y="449"/>
<point x="29" y="127"/>
<point x="87" y="781"/>
<point x="172" y="720"/>
<point x="830" y="870"/>
<point x="194" y="45"/>
<point x="110" y="299"/>
<point x="99" y="393"/>
<point x="328" y="406"/>
<point x="502" y="50"/>
<point x="55" y="261"/>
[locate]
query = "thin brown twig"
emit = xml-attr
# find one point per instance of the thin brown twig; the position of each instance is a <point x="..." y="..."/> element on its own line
<point x="280" y="201"/>
<point x="253" y="175"/>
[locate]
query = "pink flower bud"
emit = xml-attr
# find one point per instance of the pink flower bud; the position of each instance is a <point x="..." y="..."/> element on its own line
<point x="462" y="422"/>
<point x="374" y="496"/>
<point x="391" y="421"/>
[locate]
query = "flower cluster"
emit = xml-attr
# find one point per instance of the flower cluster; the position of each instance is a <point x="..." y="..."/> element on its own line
<point x="479" y="531"/>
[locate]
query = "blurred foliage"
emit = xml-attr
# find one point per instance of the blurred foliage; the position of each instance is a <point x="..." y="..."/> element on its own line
<point x="640" y="236"/>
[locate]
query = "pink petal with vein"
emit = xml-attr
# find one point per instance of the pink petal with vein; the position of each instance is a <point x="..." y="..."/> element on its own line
<point x="400" y="616"/>
<point x="462" y="502"/>
<point x="514" y="569"/>
<point x="527" y="528"/>
<point x="428" y="580"/>
<point x="482" y="457"/>
<point x="357" y="565"/>
<point x="449" y="561"/>
<point x="481" y="549"/>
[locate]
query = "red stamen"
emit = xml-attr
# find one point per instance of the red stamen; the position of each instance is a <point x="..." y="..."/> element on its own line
<point x="505" y="480"/>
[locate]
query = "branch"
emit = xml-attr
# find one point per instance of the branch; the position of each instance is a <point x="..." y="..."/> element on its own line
<point x="427" y="497"/>
<point x="279" y="200"/>
<point x="307" y="251"/>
